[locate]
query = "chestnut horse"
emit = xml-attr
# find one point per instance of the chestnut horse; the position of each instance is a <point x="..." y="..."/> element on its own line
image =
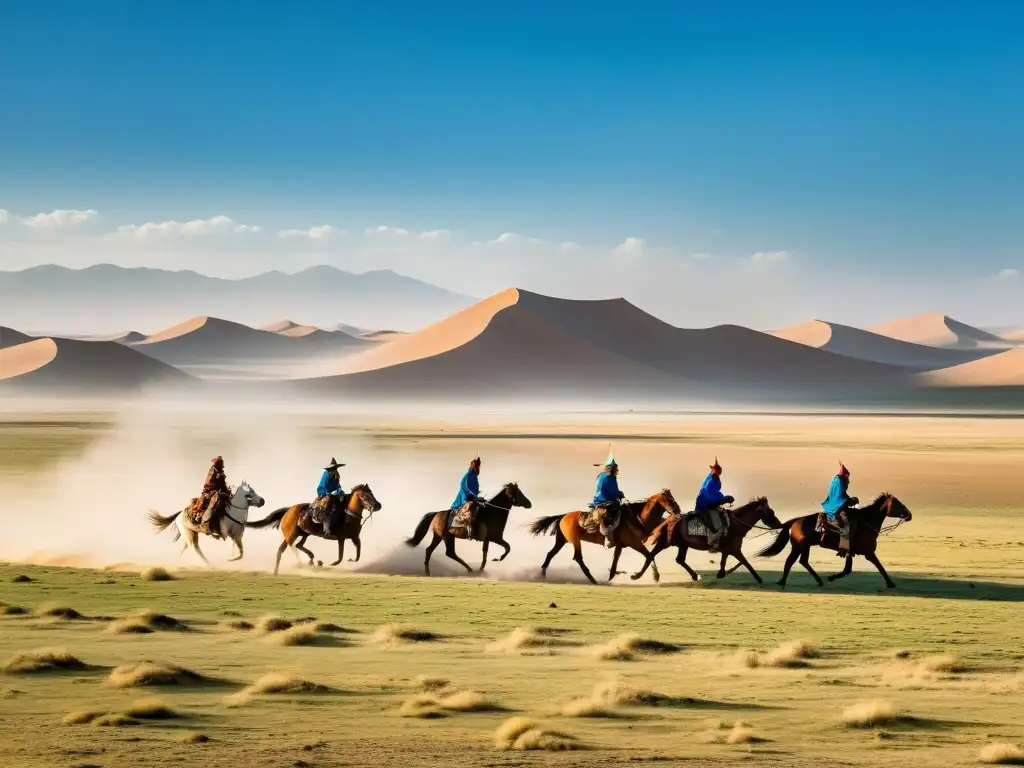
<point x="675" y="533"/>
<point x="360" y="500"/>
<point x="637" y="520"/>
<point x="491" y="518"/>
<point x="803" y="534"/>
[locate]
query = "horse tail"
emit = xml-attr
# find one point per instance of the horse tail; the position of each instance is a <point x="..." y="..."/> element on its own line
<point x="273" y="520"/>
<point x="780" y="542"/>
<point x="162" y="523"/>
<point x="421" y="530"/>
<point x="545" y="525"/>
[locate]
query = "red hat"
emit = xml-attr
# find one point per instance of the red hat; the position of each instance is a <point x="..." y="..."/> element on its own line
<point x="843" y="471"/>
<point x="716" y="465"/>
<point x="217" y="460"/>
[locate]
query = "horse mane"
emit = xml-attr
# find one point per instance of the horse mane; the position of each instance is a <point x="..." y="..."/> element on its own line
<point x="880" y="497"/>
<point x="360" y="487"/>
<point x="759" y="500"/>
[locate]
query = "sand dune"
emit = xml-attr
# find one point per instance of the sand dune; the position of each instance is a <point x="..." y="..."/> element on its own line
<point x="10" y="337"/>
<point x="523" y="343"/>
<point x="380" y="336"/>
<point x="72" y="364"/>
<point x="939" y="331"/>
<point x="204" y="340"/>
<point x="1005" y="369"/>
<point x="280" y="326"/>
<point x="1017" y="336"/>
<point x="865" y="345"/>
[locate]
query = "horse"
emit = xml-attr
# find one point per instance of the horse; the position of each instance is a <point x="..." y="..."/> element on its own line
<point x="491" y="518"/>
<point x="360" y="500"/>
<point x="803" y="534"/>
<point x="675" y="533"/>
<point x="636" y="520"/>
<point x="232" y="521"/>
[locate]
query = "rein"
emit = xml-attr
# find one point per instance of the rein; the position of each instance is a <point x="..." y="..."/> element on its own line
<point x="232" y="505"/>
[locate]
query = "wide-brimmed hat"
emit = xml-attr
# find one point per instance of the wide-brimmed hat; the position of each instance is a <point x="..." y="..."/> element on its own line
<point x="333" y="465"/>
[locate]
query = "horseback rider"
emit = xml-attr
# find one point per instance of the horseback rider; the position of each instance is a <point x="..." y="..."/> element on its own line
<point x="328" y="492"/>
<point x="215" y="495"/>
<point x="469" y="494"/>
<point x="709" y="499"/>
<point x="606" y="497"/>
<point x="837" y="507"/>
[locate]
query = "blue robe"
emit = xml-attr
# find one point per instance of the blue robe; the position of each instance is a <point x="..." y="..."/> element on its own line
<point x="710" y="494"/>
<point x="469" y="488"/>
<point x="329" y="485"/>
<point x="607" y="489"/>
<point x="837" y="496"/>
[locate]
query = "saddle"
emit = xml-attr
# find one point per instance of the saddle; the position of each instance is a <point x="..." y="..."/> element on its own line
<point x="824" y="524"/>
<point x="610" y="512"/>
<point x="324" y="509"/>
<point x="695" y="525"/>
<point x="462" y="518"/>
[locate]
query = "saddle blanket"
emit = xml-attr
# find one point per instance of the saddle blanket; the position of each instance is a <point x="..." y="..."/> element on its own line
<point x="590" y="521"/>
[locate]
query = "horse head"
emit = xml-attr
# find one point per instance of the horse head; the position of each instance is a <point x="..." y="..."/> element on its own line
<point x="365" y="498"/>
<point x="893" y="507"/>
<point x="245" y="497"/>
<point x="668" y="501"/>
<point x="767" y="514"/>
<point x="516" y="496"/>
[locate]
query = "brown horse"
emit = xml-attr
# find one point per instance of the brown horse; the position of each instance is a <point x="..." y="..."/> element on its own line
<point x="637" y="520"/>
<point x="803" y="534"/>
<point x="491" y="518"/>
<point x="741" y="520"/>
<point x="360" y="500"/>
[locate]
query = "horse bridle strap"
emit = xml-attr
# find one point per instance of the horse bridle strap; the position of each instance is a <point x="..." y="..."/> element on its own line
<point x="232" y="505"/>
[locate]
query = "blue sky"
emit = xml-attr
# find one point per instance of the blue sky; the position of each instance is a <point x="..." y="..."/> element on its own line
<point x="860" y="138"/>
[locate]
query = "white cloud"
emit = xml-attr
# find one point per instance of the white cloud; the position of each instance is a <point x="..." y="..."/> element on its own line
<point x="770" y="257"/>
<point x="322" y="232"/>
<point x="702" y="256"/>
<point x="385" y="231"/>
<point x="570" y="247"/>
<point x="436" y="234"/>
<point x="5" y="216"/>
<point x="1008" y="274"/>
<point x="59" y="218"/>
<point x="193" y="228"/>
<point x="630" y="249"/>
<point x="507" y="238"/>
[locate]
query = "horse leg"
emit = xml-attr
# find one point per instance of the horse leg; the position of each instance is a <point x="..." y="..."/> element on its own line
<point x="681" y="559"/>
<point x="578" y="557"/>
<point x="721" y="570"/>
<point x="615" y="563"/>
<point x="559" y="543"/>
<point x="740" y="556"/>
<point x="483" y="563"/>
<point x="298" y="546"/>
<point x="873" y="559"/>
<point x="241" y="550"/>
<point x="280" y="551"/>
<point x="195" y="546"/>
<point x="847" y="569"/>
<point x="647" y="555"/>
<point x="502" y="543"/>
<point x="449" y="551"/>
<point x="430" y="550"/>
<point x="649" y="561"/>
<point x="790" y="561"/>
<point x="341" y="551"/>
<point x="359" y="549"/>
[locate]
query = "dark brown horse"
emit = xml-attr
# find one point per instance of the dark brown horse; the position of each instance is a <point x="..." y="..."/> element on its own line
<point x="360" y="500"/>
<point x="674" y="532"/>
<point x="803" y="534"/>
<point x="491" y="518"/>
<point x="638" y="519"/>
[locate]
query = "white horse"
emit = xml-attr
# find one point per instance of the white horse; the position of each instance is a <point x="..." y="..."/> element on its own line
<point x="232" y="521"/>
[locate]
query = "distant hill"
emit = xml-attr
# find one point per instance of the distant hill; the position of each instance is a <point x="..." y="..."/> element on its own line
<point x="865" y="345"/>
<point x="10" y="337"/>
<point x="1005" y="369"/>
<point x="74" y="366"/>
<point x="105" y="297"/>
<point x="520" y="344"/>
<point x="939" y="331"/>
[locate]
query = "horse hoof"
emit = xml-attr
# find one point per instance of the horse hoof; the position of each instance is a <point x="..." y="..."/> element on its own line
<point x="351" y="560"/>
<point x="891" y="586"/>
<point x="634" y="576"/>
<point x="335" y="563"/>
<point x="781" y="584"/>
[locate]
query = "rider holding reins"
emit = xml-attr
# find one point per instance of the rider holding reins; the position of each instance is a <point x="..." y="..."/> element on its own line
<point x="327" y="494"/>
<point x="216" y="494"/>
<point x="469" y="491"/>
<point x="607" y="496"/>
<point x="709" y="499"/>
<point x="837" y="506"/>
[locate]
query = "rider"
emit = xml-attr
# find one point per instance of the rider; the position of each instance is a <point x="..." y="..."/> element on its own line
<point x="327" y="494"/>
<point x="837" y="505"/>
<point x="215" y="494"/>
<point x="469" y="491"/>
<point x="607" y="495"/>
<point x="709" y="499"/>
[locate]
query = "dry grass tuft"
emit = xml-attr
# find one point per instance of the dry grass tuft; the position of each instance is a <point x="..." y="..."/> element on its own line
<point x="742" y="734"/>
<point x="156" y="573"/>
<point x="626" y="646"/>
<point x="145" y="622"/>
<point x="865" y="714"/>
<point x="272" y="623"/>
<point x="1001" y="754"/>
<point x="191" y="737"/>
<point x="521" y="733"/>
<point x="609" y="694"/>
<point x="148" y="673"/>
<point x="429" y="684"/>
<point x="521" y="640"/>
<point x="42" y="660"/>
<point x="300" y="634"/>
<point x="393" y="634"/>
<point x="236" y="625"/>
<point x="11" y="610"/>
<point x="791" y="655"/>
<point x="82" y="717"/>
<point x="275" y="683"/>
<point x="21" y="579"/>
<point x="922" y="671"/>
<point x="115" y="720"/>
<point x="436" y="705"/>
<point x="57" y="611"/>
<point x="151" y="709"/>
<point x="422" y="706"/>
<point x="717" y="731"/>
